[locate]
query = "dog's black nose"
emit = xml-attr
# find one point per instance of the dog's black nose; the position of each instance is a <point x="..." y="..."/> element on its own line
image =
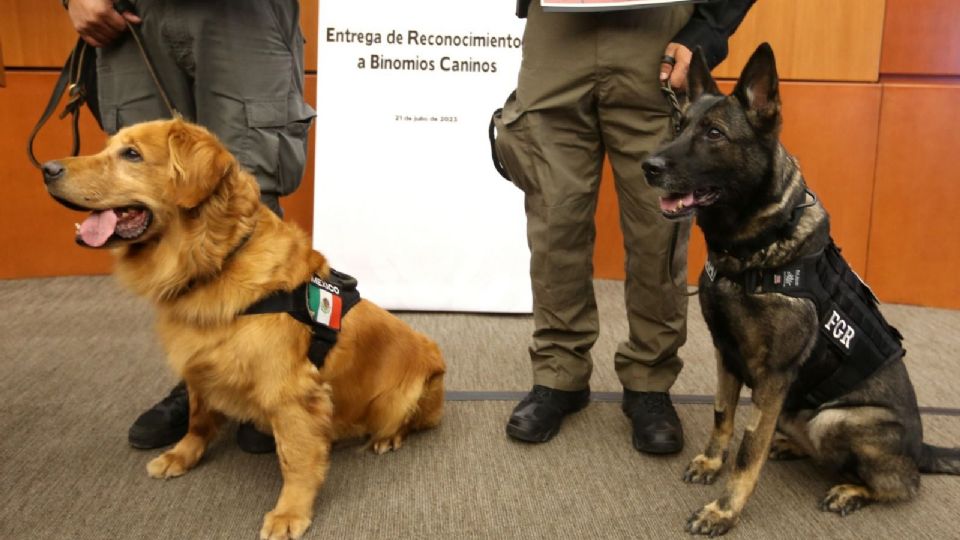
<point x="654" y="166"/>
<point x="52" y="171"/>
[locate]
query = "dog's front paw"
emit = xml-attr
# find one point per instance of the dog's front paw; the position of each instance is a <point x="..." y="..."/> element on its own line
<point x="711" y="521"/>
<point x="168" y="465"/>
<point x="703" y="470"/>
<point x="283" y="526"/>
<point x="385" y="445"/>
<point x="844" y="499"/>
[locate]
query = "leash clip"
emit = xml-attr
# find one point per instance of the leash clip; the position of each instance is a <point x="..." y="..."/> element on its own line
<point x="76" y="93"/>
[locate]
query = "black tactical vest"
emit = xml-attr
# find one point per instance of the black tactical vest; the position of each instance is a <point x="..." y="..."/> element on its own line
<point x="849" y="318"/>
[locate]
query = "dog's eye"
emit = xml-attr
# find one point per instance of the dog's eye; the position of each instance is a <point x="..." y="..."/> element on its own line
<point x="130" y="154"/>
<point x="715" y="134"/>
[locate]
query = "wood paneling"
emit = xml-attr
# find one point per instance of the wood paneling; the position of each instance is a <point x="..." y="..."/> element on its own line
<point x="921" y="37"/>
<point x="832" y="129"/>
<point x="914" y="252"/>
<point x="36" y="234"/>
<point x="3" y="71"/>
<point x="608" y="254"/>
<point x="308" y="24"/>
<point x="38" y="33"/>
<point x="830" y="40"/>
<point x="35" y="33"/>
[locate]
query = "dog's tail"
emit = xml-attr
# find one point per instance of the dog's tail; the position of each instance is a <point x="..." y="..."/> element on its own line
<point x="939" y="460"/>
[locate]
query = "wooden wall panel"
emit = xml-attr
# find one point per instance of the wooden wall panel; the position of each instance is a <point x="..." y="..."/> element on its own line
<point x="831" y="40"/>
<point x="914" y="252"/>
<point x="35" y="33"/>
<point x="36" y="234"/>
<point x="3" y="71"/>
<point x="308" y="24"/>
<point x="832" y="129"/>
<point x="608" y="254"/>
<point x="921" y="37"/>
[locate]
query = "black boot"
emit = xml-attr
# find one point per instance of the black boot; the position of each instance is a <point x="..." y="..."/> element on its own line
<point x="254" y="441"/>
<point x="538" y="416"/>
<point x="656" y="426"/>
<point x="163" y="424"/>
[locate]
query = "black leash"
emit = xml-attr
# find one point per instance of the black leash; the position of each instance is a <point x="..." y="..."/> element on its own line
<point x="70" y="77"/>
<point x="78" y="76"/>
<point x="676" y="115"/>
<point x="676" y="112"/>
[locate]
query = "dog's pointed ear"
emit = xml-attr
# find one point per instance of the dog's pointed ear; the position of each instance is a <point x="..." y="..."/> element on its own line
<point x="699" y="79"/>
<point x="198" y="162"/>
<point x="758" y="88"/>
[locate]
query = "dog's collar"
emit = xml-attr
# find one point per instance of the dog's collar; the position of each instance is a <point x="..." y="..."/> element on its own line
<point x="743" y="249"/>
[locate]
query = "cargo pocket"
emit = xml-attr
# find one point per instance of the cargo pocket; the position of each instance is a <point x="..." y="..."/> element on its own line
<point x="278" y="141"/>
<point x="509" y="140"/>
<point x="114" y="117"/>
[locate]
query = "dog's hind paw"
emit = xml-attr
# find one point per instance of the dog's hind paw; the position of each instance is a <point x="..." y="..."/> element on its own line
<point x="711" y="521"/>
<point x="383" y="446"/>
<point x="283" y="526"/>
<point x="703" y="470"/>
<point x="167" y="465"/>
<point x="845" y="498"/>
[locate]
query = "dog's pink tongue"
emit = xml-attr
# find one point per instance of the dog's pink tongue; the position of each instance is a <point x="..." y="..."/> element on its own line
<point x="670" y="204"/>
<point x="96" y="229"/>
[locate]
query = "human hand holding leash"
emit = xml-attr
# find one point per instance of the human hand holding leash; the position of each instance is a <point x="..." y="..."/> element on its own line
<point x="98" y="22"/>
<point x="675" y="65"/>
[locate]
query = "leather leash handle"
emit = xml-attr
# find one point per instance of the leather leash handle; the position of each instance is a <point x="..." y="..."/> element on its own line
<point x="69" y="80"/>
<point x="71" y="69"/>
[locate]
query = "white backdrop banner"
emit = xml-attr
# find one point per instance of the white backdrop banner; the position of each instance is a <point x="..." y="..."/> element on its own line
<point x="407" y="199"/>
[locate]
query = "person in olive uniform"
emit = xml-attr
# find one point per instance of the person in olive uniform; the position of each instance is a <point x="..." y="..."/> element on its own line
<point x="589" y="86"/>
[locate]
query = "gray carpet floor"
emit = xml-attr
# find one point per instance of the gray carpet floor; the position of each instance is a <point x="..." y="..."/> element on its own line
<point x="79" y="362"/>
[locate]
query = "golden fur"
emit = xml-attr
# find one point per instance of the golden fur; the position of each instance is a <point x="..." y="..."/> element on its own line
<point x="210" y="251"/>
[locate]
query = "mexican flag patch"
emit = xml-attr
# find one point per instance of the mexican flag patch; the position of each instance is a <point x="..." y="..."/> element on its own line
<point x="324" y="303"/>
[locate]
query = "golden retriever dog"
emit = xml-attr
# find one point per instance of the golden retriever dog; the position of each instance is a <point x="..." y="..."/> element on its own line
<point x="189" y="233"/>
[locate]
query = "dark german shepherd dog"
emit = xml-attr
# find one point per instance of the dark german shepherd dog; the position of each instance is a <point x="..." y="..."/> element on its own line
<point x="788" y="317"/>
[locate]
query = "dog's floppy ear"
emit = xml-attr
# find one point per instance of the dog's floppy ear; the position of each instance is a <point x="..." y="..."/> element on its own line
<point x="699" y="79"/>
<point x="198" y="163"/>
<point x="758" y="89"/>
